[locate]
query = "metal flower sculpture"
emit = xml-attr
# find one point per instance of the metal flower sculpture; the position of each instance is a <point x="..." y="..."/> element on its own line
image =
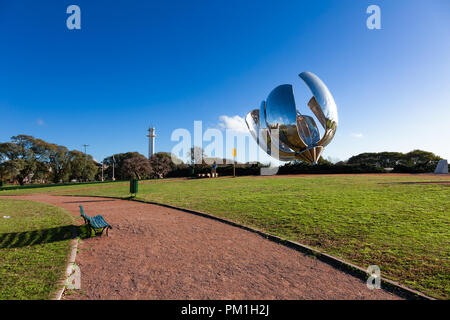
<point x="278" y="124"/>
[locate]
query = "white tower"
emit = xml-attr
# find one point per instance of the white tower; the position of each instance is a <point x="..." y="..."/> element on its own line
<point x="151" y="141"/>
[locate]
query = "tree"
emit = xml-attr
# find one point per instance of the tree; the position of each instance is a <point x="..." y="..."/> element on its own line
<point x="24" y="152"/>
<point x="175" y="162"/>
<point x="5" y="171"/>
<point x="119" y="160"/>
<point x="77" y="170"/>
<point x="28" y="159"/>
<point x="419" y="157"/>
<point x="161" y="164"/>
<point x="59" y="162"/>
<point x="414" y="161"/>
<point x="417" y="161"/>
<point x="42" y="172"/>
<point x="137" y="167"/>
<point x="380" y="159"/>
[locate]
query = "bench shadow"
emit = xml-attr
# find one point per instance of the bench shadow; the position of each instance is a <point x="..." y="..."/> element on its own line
<point x="36" y="237"/>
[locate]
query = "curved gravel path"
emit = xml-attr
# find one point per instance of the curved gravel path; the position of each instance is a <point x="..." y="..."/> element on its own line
<point x="160" y="253"/>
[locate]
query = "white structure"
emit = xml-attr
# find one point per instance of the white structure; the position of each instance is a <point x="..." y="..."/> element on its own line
<point x="151" y="141"/>
<point x="442" y="167"/>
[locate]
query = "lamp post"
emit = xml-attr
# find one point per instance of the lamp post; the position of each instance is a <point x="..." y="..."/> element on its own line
<point x="114" y="164"/>
<point x="85" y="158"/>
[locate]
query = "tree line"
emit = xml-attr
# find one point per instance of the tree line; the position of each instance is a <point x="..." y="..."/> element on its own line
<point x="30" y="160"/>
<point x="26" y="159"/>
<point x="416" y="161"/>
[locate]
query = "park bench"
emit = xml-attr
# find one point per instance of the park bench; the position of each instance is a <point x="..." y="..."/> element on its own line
<point x="95" y="223"/>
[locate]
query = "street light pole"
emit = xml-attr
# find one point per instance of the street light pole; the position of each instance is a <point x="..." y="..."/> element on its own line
<point x="114" y="164"/>
<point x="85" y="159"/>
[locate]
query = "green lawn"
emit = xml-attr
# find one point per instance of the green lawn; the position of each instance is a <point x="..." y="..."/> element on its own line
<point x="34" y="247"/>
<point x="33" y="189"/>
<point x="400" y="223"/>
<point x="392" y="222"/>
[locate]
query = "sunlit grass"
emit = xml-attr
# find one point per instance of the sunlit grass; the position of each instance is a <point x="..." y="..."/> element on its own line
<point x="390" y="221"/>
<point x="400" y="223"/>
<point x="34" y="244"/>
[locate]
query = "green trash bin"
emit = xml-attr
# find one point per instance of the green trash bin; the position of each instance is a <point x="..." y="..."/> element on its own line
<point x="134" y="186"/>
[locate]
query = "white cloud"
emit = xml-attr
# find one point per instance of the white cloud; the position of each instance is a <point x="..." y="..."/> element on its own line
<point x="357" y="135"/>
<point x="235" y="123"/>
<point x="40" y="122"/>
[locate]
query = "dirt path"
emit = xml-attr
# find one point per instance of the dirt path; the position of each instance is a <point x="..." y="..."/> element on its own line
<point x="160" y="253"/>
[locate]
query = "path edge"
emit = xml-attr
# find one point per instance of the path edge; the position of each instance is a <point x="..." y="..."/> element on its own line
<point x="352" y="269"/>
<point x="69" y="269"/>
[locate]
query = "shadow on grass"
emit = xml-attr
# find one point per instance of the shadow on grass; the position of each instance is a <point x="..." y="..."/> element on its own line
<point x="36" y="237"/>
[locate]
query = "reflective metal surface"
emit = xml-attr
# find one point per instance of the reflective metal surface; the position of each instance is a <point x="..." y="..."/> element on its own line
<point x="278" y="127"/>
<point x="322" y="105"/>
<point x="281" y="114"/>
<point x="260" y="133"/>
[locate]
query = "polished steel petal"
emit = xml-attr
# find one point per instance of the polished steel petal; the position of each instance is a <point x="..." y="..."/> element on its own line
<point x="310" y="155"/>
<point x="253" y="123"/>
<point x="281" y="114"/>
<point x="275" y="140"/>
<point x="262" y="115"/>
<point x="262" y="137"/>
<point x="322" y="105"/>
<point x="307" y="129"/>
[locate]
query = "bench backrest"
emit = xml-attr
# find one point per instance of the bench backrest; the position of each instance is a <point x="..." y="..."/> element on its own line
<point x="82" y="213"/>
<point x="96" y="222"/>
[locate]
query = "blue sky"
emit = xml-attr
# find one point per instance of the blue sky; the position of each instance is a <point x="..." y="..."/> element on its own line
<point x="139" y="63"/>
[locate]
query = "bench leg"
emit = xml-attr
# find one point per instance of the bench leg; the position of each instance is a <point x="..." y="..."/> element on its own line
<point x="103" y="229"/>
<point x="91" y="228"/>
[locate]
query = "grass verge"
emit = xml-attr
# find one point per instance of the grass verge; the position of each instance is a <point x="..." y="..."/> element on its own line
<point x="34" y="246"/>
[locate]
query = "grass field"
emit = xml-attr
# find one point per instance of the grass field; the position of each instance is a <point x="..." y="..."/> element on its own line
<point x="34" y="244"/>
<point x="400" y="223"/>
<point x="32" y="189"/>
